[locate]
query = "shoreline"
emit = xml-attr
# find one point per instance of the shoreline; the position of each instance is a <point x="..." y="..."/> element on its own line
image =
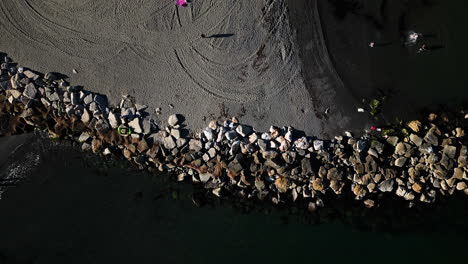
<point x="418" y="161"/>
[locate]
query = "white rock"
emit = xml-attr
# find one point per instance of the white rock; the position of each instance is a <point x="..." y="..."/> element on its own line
<point x="173" y="120"/>
<point x="302" y="143"/>
<point x="318" y="145"/>
<point x="85" y="117"/>
<point x="169" y="142"/>
<point x="360" y="110"/>
<point x="208" y="134"/>
<point x="266" y="136"/>
<point x="113" y="120"/>
<point x="83" y="137"/>
<point x="135" y="124"/>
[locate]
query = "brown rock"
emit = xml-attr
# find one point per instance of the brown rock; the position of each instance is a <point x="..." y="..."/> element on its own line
<point x="357" y="189"/>
<point x="458" y="173"/>
<point x="127" y="154"/>
<point x="317" y="184"/>
<point x="416" y="187"/>
<point x="282" y="184"/>
<point x="432" y="117"/>
<point x="336" y="186"/>
<point x="369" y="203"/>
<point x="461" y="186"/>
<point x="334" y="174"/>
<point x="142" y="146"/>
<point x="459" y="132"/>
<point x="96" y="145"/>
<point x="414" y="125"/>
<point x="131" y="148"/>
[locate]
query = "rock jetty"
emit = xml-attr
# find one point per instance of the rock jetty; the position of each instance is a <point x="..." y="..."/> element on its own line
<point x="417" y="161"/>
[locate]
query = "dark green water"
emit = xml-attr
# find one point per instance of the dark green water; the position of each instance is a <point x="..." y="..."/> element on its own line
<point x="75" y="208"/>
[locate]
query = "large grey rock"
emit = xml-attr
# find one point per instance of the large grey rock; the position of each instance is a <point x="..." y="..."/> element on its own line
<point x="85" y="117"/>
<point x="431" y="138"/>
<point x="195" y="145"/>
<point x="101" y="126"/>
<point x="262" y="144"/>
<point x="230" y="135"/>
<point x="334" y="174"/>
<point x="175" y="133"/>
<point x="450" y="151"/>
<point x="173" y="120"/>
<point x="15" y="93"/>
<point x="126" y="113"/>
<point x="204" y="177"/>
<point x="392" y="140"/>
<point x="416" y="139"/>
<point x="244" y="130"/>
<point x="83" y="137"/>
<point x="235" y="166"/>
<point x="74" y="98"/>
<point x="400" y="161"/>
<point x="135" y="125"/>
<point x="318" y="145"/>
<point x="306" y="166"/>
<point x="362" y="145"/>
<point x="50" y="76"/>
<point x="302" y="143"/>
<point x="147" y="126"/>
<point x="30" y="91"/>
<point x="169" y="142"/>
<point x="101" y="101"/>
<point x="208" y="133"/>
<point x="386" y="186"/>
<point x="53" y="97"/>
<point x="88" y="99"/>
<point x="113" y="120"/>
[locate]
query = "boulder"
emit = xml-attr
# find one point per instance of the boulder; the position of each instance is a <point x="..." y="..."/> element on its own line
<point x="244" y="130"/>
<point x="386" y="186"/>
<point x="83" y="137"/>
<point x="230" y="135"/>
<point x="318" y="145"/>
<point x="208" y="133"/>
<point x="400" y="161"/>
<point x="195" y="145"/>
<point x="169" y="142"/>
<point x="135" y="125"/>
<point x="30" y="91"/>
<point x="392" y="140"/>
<point x="235" y="166"/>
<point x="431" y="138"/>
<point x="301" y="143"/>
<point x="416" y="139"/>
<point x="414" y="125"/>
<point x="450" y="151"/>
<point x="173" y="120"/>
<point x="113" y="120"/>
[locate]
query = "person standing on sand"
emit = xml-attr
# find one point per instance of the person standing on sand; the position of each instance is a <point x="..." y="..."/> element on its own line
<point x="182" y="3"/>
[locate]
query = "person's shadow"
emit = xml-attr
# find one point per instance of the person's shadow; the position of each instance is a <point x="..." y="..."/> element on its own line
<point x="227" y="35"/>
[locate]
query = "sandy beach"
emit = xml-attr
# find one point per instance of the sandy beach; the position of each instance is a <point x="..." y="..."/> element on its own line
<point x="264" y="61"/>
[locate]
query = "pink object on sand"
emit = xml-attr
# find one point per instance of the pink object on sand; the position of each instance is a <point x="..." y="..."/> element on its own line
<point x="181" y="3"/>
